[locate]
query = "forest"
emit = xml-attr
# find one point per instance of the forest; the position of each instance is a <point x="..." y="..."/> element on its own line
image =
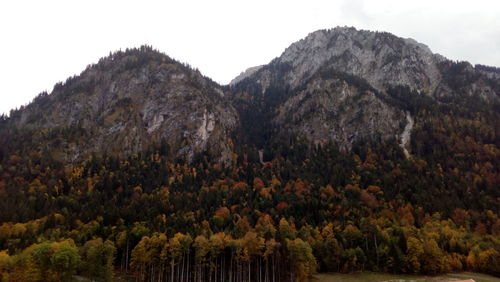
<point x="306" y="209"/>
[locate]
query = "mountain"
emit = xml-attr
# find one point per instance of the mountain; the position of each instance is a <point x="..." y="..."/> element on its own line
<point x="335" y="86"/>
<point x="128" y="101"/>
<point x="352" y="151"/>
<point x="382" y="59"/>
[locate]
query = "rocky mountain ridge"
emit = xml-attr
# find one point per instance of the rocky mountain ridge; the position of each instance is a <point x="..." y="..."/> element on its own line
<point x="318" y="72"/>
<point x="334" y="85"/>
<point x="132" y="99"/>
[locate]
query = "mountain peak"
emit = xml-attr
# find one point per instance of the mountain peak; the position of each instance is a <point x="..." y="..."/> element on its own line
<point x="131" y="99"/>
<point x="379" y="57"/>
<point x="334" y="85"/>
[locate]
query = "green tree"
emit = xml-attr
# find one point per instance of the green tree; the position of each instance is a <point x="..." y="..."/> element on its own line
<point x="302" y="259"/>
<point x="65" y="260"/>
<point x="330" y="249"/>
<point x="38" y="263"/>
<point x="99" y="257"/>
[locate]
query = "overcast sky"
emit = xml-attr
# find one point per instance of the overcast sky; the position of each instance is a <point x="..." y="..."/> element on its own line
<point x="43" y="42"/>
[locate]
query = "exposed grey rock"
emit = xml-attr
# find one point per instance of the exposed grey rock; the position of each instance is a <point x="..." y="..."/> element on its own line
<point x="332" y="110"/>
<point x="405" y="136"/>
<point x="380" y="58"/>
<point x="332" y="85"/>
<point x="314" y="106"/>
<point x="248" y="72"/>
<point x="125" y="104"/>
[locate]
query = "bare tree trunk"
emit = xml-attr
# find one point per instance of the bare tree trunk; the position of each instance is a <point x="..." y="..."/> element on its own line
<point x="274" y="267"/>
<point x="182" y="268"/>
<point x="231" y="268"/>
<point x="260" y="269"/>
<point x="160" y="277"/>
<point x="198" y="273"/>
<point x="215" y="270"/>
<point x="238" y="272"/>
<point x="267" y="271"/>
<point x="188" y="266"/>
<point x="153" y="273"/>
<point x="126" y="258"/>
<point x="122" y="261"/>
<point x="172" y="271"/>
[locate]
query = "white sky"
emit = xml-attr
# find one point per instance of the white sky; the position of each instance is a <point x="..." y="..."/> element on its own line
<point x="43" y="42"/>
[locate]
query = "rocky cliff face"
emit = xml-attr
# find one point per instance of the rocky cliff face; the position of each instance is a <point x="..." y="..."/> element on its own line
<point x="131" y="99"/>
<point x="380" y="58"/>
<point x="331" y="109"/>
<point x="333" y="85"/>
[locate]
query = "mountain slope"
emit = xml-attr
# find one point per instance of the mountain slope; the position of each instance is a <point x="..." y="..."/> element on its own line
<point x="303" y="91"/>
<point x="128" y="101"/>
<point x="381" y="58"/>
<point x="331" y="108"/>
<point x="335" y="168"/>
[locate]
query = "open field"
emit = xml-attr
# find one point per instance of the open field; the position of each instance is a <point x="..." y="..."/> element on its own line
<point x="379" y="277"/>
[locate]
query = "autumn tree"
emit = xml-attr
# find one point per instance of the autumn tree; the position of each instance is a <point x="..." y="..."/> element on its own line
<point x="414" y="253"/>
<point x="302" y="259"/>
<point x="98" y="257"/>
<point x="432" y="257"/>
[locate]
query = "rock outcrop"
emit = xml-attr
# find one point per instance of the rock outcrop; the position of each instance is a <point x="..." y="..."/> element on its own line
<point x="334" y="110"/>
<point x="380" y="58"/>
<point x="131" y="99"/>
<point x="333" y="85"/>
<point x="248" y="72"/>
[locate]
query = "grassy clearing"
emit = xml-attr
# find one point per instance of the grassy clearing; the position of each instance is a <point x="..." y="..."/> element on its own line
<point x="379" y="277"/>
